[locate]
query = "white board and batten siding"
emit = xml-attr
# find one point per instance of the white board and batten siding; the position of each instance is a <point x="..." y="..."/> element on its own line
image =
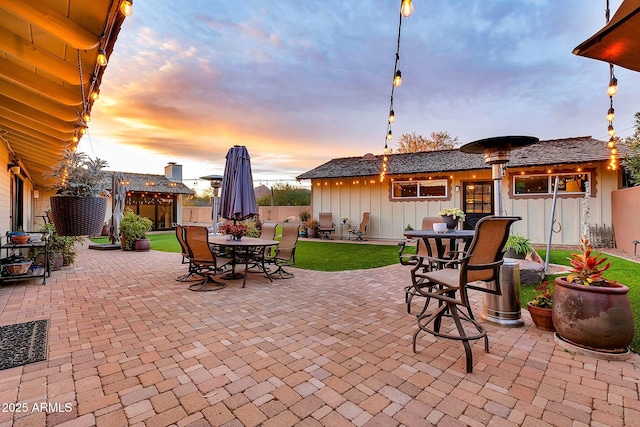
<point x="349" y="197"/>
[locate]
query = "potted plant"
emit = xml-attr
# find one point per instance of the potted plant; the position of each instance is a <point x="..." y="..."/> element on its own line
<point x="80" y="206"/>
<point x="590" y="311"/>
<point x="451" y="216"/>
<point x="234" y="231"/>
<point x="18" y="237"/>
<point x="312" y="227"/>
<point x="62" y="249"/>
<point x="304" y="217"/>
<point x="133" y="230"/>
<point x="540" y="307"/>
<point x="517" y="246"/>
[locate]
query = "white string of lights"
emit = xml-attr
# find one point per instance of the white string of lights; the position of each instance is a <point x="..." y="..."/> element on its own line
<point x="406" y="9"/>
<point x="611" y="91"/>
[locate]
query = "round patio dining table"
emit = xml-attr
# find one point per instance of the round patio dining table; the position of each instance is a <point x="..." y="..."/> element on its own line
<point x="243" y="248"/>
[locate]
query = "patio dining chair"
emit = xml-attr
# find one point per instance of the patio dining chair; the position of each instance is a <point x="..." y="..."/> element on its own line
<point x="186" y="256"/>
<point x="285" y="251"/>
<point x="478" y="269"/>
<point x="258" y="255"/>
<point x="206" y="263"/>
<point x="421" y="258"/>
<point x="361" y="230"/>
<point x="326" y="224"/>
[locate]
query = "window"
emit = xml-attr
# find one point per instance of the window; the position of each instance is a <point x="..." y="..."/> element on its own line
<point x="419" y="189"/>
<point x="568" y="183"/>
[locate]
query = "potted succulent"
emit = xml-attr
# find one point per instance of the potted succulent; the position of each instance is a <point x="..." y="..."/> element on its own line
<point x="517" y="246"/>
<point x="133" y="230"/>
<point x="312" y="227"/>
<point x="540" y="307"/>
<point x="80" y="205"/>
<point x="590" y="311"/>
<point x="451" y="216"/>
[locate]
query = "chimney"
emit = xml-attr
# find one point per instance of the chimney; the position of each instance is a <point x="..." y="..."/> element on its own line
<point x="173" y="172"/>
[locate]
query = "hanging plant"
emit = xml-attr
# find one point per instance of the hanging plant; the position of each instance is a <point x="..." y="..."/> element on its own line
<point x="80" y="205"/>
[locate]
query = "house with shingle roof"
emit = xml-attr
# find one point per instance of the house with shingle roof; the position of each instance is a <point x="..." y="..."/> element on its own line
<point x="157" y="197"/>
<point x="422" y="184"/>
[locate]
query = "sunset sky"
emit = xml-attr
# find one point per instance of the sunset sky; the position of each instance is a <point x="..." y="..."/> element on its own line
<point x="302" y="82"/>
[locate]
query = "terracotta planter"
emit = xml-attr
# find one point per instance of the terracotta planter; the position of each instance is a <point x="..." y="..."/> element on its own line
<point x="541" y="317"/>
<point x="78" y="216"/>
<point x="593" y="317"/>
<point x="312" y="232"/>
<point x="143" y="245"/>
<point x="451" y="223"/>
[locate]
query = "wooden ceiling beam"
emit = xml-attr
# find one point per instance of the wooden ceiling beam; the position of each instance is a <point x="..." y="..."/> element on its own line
<point x="18" y="120"/>
<point x="53" y="22"/>
<point x="66" y="95"/>
<point x="29" y="116"/>
<point x="39" y="58"/>
<point x="12" y="126"/>
<point x="27" y="97"/>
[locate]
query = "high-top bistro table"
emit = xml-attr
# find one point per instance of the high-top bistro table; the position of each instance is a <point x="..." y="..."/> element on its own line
<point x="243" y="248"/>
<point x="452" y="235"/>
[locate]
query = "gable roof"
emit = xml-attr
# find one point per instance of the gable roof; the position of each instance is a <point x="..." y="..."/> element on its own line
<point x="147" y="183"/>
<point x="583" y="149"/>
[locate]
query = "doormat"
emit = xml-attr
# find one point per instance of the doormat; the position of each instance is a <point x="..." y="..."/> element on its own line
<point x="23" y="343"/>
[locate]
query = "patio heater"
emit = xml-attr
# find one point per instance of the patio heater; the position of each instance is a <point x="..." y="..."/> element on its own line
<point x="501" y="309"/>
<point x="216" y="183"/>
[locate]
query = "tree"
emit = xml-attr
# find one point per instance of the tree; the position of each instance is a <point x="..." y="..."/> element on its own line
<point x="412" y="143"/>
<point x="286" y="195"/>
<point x="631" y="161"/>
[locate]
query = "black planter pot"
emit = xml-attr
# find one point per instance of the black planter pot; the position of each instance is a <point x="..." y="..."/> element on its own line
<point x="78" y="216"/>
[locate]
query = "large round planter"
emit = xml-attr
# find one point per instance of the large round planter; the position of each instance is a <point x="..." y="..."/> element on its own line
<point x="451" y="223"/>
<point x="78" y="216"/>
<point x="312" y="233"/>
<point x="541" y="317"/>
<point x="143" y="245"/>
<point x="593" y="317"/>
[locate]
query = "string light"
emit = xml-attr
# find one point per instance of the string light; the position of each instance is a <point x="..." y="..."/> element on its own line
<point x="102" y="58"/>
<point x="611" y="91"/>
<point x="126" y="7"/>
<point x="406" y="9"/>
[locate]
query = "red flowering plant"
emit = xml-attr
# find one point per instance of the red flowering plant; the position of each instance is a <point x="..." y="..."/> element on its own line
<point x="543" y="297"/>
<point x="587" y="269"/>
<point x="234" y="229"/>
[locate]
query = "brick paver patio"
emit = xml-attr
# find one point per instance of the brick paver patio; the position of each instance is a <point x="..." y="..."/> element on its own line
<point x="130" y="346"/>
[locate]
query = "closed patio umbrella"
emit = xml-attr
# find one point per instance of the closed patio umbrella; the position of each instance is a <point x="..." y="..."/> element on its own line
<point x="119" y="189"/>
<point x="619" y="41"/>
<point x="237" y="198"/>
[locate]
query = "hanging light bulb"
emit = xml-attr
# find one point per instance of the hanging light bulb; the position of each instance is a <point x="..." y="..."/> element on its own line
<point x="75" y="139"/>
<point x="611" y="130"/>
<point x="389" y="136"/>
<point x="126" y="7"/>
<point x="82" y="130"/>
<point x="95" y="95"/>
<point x="611" y="143"/>
<point x="406" y="8"/>
<point x="397" y="80"/>
<point x="392" y="116"/>
<point x="610" y="115"/>
<point x="102" y="58"/>
<point x="86" y="117"/>
<point x="613" y="86"/>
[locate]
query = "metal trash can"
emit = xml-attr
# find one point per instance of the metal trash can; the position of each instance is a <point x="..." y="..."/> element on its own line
<point x="504" y="309"/>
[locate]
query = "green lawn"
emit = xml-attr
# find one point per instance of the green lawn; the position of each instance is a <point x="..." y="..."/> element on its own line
<point x="334" y="256"/>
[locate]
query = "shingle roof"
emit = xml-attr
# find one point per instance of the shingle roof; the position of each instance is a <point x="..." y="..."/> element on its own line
<point x="551" y="152"/>
<point x="152" y="183"/>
